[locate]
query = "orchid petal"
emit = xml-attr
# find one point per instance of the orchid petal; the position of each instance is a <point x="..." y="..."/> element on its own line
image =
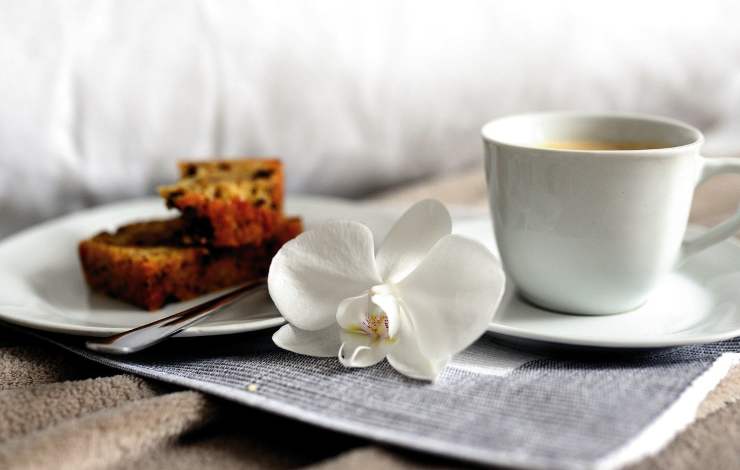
<point x="407" y="358"/>
<point x="359" y="350"/>
<point x="411" y="238"/>
<point x="319" y="343"/>
<point x="451" y="296"/>
<point x="314" y="272"/>
<point x="352" y="311"/>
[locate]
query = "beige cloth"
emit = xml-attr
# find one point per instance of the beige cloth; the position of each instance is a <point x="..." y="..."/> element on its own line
<point x="59" y="411"/>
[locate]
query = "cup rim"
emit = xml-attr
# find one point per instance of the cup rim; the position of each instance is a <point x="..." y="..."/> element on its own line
<point x="698" y="136"/>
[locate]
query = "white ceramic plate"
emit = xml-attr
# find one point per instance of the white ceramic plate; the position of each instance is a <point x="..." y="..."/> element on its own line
<point x="697" y="304"/>
<point x="41" y="284"/>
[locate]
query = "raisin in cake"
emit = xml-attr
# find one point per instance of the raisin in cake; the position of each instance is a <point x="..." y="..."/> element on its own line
<point x="228" y="202"/>
<point x="147" y="265"/>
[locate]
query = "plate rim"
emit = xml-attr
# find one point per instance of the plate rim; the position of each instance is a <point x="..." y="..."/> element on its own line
<point x="511" y="332"/>
<point x="96" y="331"/>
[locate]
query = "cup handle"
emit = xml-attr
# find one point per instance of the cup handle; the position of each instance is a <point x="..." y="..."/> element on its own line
<point x="712" y="167"/>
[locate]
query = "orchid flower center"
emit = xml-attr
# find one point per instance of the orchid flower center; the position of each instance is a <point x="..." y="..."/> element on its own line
<point x="375" y="324"/>
<point x="379" y="320"/>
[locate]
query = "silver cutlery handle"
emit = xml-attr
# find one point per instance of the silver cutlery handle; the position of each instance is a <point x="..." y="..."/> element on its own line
<point x="152" y="333"/>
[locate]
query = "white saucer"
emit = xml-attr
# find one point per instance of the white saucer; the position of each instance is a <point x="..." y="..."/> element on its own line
<point x="697" y="304"/>
<point x="41" y="285"/>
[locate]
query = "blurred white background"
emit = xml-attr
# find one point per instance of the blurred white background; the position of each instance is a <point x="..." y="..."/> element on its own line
<point x="99" y="98"/>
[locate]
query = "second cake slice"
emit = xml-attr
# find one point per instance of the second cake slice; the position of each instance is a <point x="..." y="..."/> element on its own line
<point x="228" y="202"/>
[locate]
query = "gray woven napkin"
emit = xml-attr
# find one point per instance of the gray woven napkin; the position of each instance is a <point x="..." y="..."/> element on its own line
<point x="493" y="404"/>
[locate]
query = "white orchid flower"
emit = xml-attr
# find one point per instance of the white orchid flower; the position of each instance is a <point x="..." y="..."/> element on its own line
<point x="424" y="296"/>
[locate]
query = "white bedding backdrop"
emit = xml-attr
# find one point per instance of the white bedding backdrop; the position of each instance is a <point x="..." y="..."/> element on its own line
<point x="99" y="98"/>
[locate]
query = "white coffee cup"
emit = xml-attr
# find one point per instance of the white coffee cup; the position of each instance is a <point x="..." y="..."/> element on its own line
<point x="592" y="231"/>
